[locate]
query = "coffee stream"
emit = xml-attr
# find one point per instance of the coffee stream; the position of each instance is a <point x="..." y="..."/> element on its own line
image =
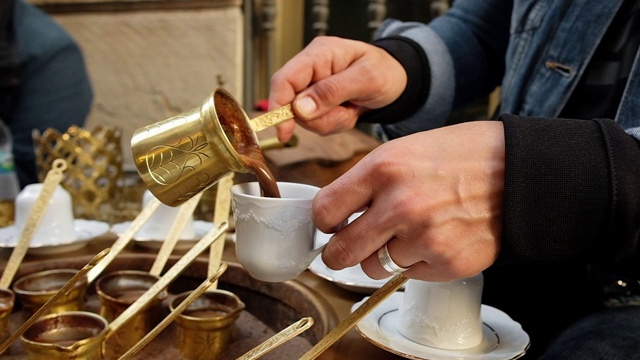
<point x="243" y="140"/>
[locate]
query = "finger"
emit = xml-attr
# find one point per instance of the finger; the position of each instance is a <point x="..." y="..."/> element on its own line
<point x="284" y="131"/>
<point x="356" y="241"/>
<point x="338" y="119"/>
<point x="326" y="214"/>
<point x="398" y="256"/>
<point x="343" y="89"/>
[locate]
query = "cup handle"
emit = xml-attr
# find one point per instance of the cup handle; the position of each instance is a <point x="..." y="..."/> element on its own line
<point x="314" y="253"/>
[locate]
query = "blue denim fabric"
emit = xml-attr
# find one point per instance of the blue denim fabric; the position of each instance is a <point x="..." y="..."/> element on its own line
<point x="612" y="334"/>
<point x="536" y="50"/>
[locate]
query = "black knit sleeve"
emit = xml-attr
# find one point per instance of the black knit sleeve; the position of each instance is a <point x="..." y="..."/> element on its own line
<point x="415" y="94"/>
<point x="572" y="192"/>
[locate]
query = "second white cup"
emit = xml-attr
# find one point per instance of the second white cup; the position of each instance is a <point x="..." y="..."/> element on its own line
<point x="444" y="315"/>
<point x="56" y="225"/>
<point x="274" y="236"/>
<point x="161" y="221"/>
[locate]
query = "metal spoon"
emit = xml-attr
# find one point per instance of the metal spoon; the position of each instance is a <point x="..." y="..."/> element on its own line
<point x="124" y="239"/>
<point x="278" y="339"/>
<point x="174" y="314"/>
<point x="184" y="214"/>
<point x="222" y="208"/>
<point x="168" y="277"/>
<point x="376" y="298"/>
<point x="271" y="118"/>
<point x="51" y="181"/>
<point x="60" y="293"/>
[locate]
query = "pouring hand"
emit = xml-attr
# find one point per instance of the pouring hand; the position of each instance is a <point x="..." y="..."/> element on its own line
<point x="435" y="197"/>
<point x="332" y="81"/>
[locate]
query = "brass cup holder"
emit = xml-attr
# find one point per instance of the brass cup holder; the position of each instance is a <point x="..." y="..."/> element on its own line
<point x="72" y="335"/>
<point x="7" y="301"/>
<point x="206" y="327"/>
<point x="36" y="289"/>
<point x="116" y="292"/>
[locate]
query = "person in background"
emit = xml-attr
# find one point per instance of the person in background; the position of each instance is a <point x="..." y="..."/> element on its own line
<point x="43" y="80"/>
<point x="544" y="199"/>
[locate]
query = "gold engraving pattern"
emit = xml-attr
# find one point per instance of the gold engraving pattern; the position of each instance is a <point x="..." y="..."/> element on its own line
<point x="168" y="163"/>
<point x="272" y="118"/>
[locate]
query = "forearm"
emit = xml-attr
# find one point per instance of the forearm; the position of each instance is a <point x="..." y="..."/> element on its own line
<point x="460" y="57"/>
<point x="571" y="193"/>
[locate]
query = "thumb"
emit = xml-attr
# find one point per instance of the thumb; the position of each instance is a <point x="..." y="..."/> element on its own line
<point x="305" y="107"/>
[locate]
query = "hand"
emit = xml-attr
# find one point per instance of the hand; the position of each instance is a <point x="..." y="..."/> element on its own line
<point x="332" y="81"/>
<point x="436" y="197"/>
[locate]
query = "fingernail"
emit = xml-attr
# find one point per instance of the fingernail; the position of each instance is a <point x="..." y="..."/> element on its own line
<point x="306" y="106"/>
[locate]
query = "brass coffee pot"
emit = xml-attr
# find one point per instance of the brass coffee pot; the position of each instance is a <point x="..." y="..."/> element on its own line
<point x="185" y="154"/>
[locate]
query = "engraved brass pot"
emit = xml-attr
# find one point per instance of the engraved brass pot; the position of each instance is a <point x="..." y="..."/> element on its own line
<point x="186" y="154"/>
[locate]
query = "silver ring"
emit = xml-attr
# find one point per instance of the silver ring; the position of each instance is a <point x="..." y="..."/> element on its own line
<point x="387" y="263"/>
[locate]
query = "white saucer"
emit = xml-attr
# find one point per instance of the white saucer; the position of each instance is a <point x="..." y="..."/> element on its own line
<point x="352" y="279"/>
<point x="503" y="339"/>
<point x="84" y="229"/>
<point x="200" y="229"/>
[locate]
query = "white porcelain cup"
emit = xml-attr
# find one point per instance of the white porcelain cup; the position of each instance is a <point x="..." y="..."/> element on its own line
<point x="274" y="236"/>
<point x="56" y="225"/>
<point x="159" y="224"/>
<point x="444" y="315"/>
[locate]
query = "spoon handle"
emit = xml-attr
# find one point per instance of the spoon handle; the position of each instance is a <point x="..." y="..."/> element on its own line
<point x="278" y="339"/>
<point x="174" y="314"/>
<point x="124" y="239"/>
<point x="168" y="277"/>
<point x="377" y="297"/>
<point x="220" y="214"/>
<point x="181" y="220"/>
<point x="51" y="181"/>
<point x="273" y="117"/>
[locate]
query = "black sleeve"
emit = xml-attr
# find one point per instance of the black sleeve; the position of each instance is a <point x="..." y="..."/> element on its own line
<point x="416" y="64"/>
<point x="572" y="193"/>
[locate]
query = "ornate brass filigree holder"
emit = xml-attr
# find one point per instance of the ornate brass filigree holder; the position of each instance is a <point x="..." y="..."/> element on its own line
<point x="95" y="167"/>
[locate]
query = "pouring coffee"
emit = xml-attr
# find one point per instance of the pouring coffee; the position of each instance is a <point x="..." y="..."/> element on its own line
<point x="185" y="154"/>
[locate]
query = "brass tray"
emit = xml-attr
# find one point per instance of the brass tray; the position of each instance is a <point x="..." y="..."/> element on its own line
<point x="270" y="307"/>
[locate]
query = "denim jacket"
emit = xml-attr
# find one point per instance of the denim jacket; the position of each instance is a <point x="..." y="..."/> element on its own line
<point x="536" y="50"/>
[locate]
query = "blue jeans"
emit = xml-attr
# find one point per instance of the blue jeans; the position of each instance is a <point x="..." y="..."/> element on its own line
<point x="611" y="334"/>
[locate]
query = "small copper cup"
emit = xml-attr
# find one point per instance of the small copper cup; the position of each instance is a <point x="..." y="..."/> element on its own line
<point x="206" y="327"/>
<point x="36" y="289"/>
<point x="73" y="335"/>
<point x="117" y="291"/>
<point x="186" y="154"/>
<point x="7" y="301"/>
